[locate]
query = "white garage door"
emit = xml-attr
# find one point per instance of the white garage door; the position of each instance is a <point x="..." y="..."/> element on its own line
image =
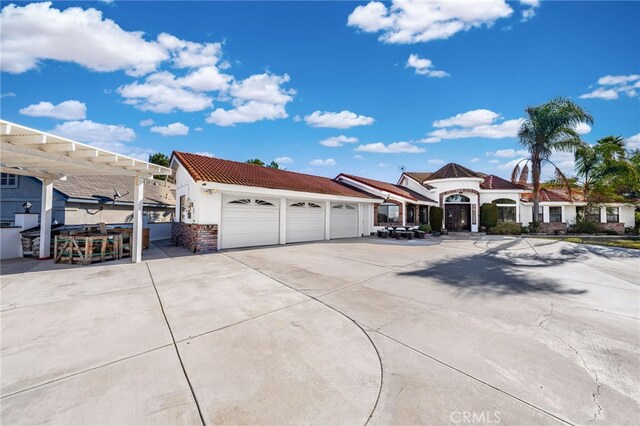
<point x="344" y="220"/>
<point x="305" y="221"/>
<point x="248" y="222"/>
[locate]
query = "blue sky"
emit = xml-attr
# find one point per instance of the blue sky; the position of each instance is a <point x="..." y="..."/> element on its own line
<point x="381" y="85"/>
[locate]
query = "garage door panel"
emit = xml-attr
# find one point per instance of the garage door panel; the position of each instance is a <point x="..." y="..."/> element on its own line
<point x="305" y="221"/>
<point x="344" y="221"/>
<point x="248" y="222"/>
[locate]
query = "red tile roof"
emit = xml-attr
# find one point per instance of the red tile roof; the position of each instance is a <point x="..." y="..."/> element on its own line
<point x="555" y="195"/>
<point x="389" y="187"/>
<point x="496" y="182"/>
<point x="209" y="169"/>
<point x="453" y="171"/>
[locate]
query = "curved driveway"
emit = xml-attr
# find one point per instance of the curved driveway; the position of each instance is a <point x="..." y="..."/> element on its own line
<point x="345" y="332"/>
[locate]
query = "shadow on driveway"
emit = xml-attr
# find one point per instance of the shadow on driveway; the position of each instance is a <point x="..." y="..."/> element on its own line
<point x="499" y="272"/>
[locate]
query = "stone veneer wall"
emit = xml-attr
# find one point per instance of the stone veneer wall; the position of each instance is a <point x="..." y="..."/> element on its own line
<point x="197" y="238"/>
<point x="618" y="227"/>
<point x="552" y="227"/>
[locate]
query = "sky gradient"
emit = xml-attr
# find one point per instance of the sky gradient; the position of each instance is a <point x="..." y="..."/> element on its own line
<point x="322" y="87"/>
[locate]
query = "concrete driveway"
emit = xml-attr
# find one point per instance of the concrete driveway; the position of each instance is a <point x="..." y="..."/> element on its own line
<point x="345" y="332"/>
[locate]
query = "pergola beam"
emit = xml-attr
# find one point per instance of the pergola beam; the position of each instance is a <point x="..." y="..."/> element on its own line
<point x="32" y="173"/>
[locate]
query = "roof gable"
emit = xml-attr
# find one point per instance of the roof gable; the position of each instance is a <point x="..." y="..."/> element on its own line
<point x="453" y="171"/>
<point x="389" y="187"/>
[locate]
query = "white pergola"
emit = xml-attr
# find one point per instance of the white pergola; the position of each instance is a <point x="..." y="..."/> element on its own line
<point x="29" y="152"/>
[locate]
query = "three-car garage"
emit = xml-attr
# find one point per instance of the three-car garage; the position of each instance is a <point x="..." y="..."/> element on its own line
<point x="256" y="221"/>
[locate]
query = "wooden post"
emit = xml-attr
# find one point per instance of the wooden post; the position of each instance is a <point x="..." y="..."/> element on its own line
<point x="45" y="218"/>
<point x="136" y="240"/>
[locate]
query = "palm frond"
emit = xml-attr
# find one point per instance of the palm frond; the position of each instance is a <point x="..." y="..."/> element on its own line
<point x="524" y="174"/>
<point x="515" y="174"/>
<point x="560" y="177"/>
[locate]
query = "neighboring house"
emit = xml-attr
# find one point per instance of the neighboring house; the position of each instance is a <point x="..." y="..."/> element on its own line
<point x="226" y="204"/>
<point x="87" y="199"/>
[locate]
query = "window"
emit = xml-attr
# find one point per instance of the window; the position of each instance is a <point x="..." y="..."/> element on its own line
<point x="411" y="214"/>
<point x="388" y="213"/>
<point x="424" y="214"/>
<point x="241" y="201"/>
<point x="506" y="209"/>
<point x="504" y="201"/>
<point x="540" y="216"/>
<point x="592" y="215"/>
<point x="183" y="207"/>
<point x="457" y="198"/>
<point x="613" y="215"/>
<point x="506" y="213"/>
<point x="263" y="203"/>
<point x="7" y="180"/>
<point x="301" y="204"/>
<point x="555" y="214"/>
<point x="314" y="206"/>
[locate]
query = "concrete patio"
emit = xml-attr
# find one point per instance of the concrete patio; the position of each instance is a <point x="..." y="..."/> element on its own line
<point x="345" y="332"/>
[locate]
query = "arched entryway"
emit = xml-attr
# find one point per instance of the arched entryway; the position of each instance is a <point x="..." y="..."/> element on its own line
<point x="457" y="213"/>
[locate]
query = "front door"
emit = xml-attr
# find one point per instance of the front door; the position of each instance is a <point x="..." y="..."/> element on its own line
<point x="458" y="217"/>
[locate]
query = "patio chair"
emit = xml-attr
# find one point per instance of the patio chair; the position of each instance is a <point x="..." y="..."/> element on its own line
<point x="383" y="233"/>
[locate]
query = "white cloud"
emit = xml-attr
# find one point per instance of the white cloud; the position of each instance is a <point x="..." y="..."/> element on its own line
<point x="611" y="86"/>
<point x="67" y="110"/>
<point x="474" y="160"/>
<point x="8" y="95"/>
<point x="321" y="162"/>
<point x="205" y="79"/>
<point x="187" y="54"/>
<point x="468" y="125"/>
<point x="337" y="141"/>
<point x="435" y="161"/>
<point x="583" y="128"/>
<point x="424" y="66"/>
<point x="633" y="142"/>
<point x="173" y="129"/>
<point x="480" y="123"/>
<point x="161" y="93"/>
<point x="297" y="118"/>
<point x="508" y="153"/>
<point x="198" y="129"/>
<point x="206" y="153"/>
<point x="337" y="120"/>
<point x="105" y="136"/>
<point x="383" y="164"/>
<point x="284" y="160"/>
<point x="37" y="31"/>
<point x="358" y="157"/>
<point x="91" y="132"/>
<point x="413" y="21"/>
<point x="494" y="161"/>
<point x="530" y="9"/>
<point x="392" y="148"/>
<point x="473" y="118"/>
<point x="259" y="97"/>
<point x="147" y="122"/>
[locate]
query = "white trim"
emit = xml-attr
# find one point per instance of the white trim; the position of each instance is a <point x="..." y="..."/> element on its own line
<point x="242" y="189"/>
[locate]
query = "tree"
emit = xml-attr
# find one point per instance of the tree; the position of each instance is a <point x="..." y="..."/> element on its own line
<point x="547" y="128"/>
<point x="259" y="162"/>
<point x="606" y="171"/>
<point x="255" y="162"/>
<point x="161" y="160"/>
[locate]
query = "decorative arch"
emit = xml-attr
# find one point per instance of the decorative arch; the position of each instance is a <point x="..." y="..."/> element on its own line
<point x="457" y="198"/>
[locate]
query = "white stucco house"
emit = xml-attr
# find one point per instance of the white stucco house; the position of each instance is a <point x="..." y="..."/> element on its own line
<point x="224" y="204"/>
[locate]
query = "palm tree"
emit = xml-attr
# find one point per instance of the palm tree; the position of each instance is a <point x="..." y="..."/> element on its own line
<point x="547" y="128"/>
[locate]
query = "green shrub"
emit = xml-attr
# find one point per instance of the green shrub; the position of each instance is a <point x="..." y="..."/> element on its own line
<point x="637" y="220"/>
<point x="506" y="228"/>
<point x="534" y="227"/>
<point x="488" y="215"/>
<point x="435" y="218"/>
<point x="583" y="226"/>
<point x="610" y="232"/>
<point x="525" y="230"/>
<point x="425" y="227"/>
